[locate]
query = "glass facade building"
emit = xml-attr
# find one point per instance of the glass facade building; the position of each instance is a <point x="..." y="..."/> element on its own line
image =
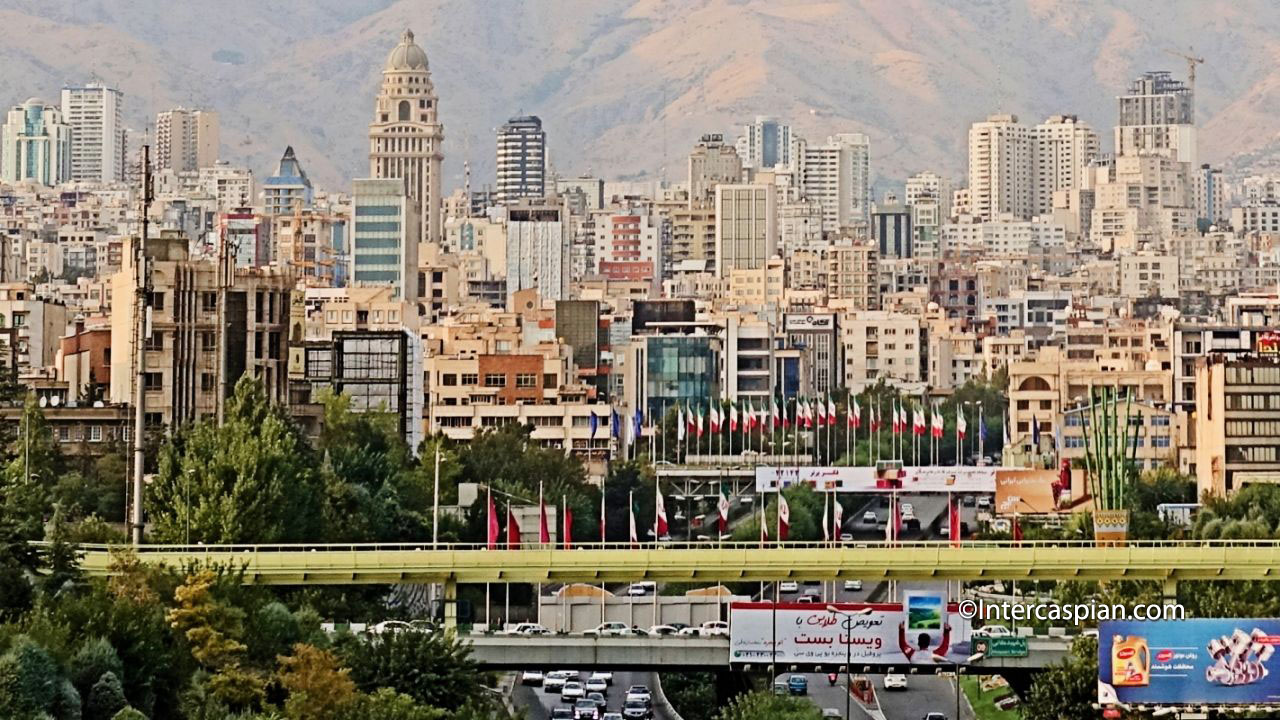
<point x="679" y="370"/>
<point x="385" y="237"/>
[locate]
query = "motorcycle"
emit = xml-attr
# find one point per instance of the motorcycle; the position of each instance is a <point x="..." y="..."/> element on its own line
<point x="832" y="678"/>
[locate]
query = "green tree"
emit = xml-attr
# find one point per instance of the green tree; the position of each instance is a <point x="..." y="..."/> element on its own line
<point x="692" y="694"/>
<point x="763" y="706"/>
<point x="129" y="714"/>
<point x="212" y="630"/>
<point x="36" y="464"/>
<point x="95" y="658"/>
<point x="434" y="669"/>
<point x="67" y="703"/>
<point x="106" y="698"/>
<point x="252" y="479"/>
<point x="29" y="678"/>
<point x="387" y="704"/>
<point x="1066" y="690"/>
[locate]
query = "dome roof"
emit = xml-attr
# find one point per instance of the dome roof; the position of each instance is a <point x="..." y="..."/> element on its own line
<point x="407" y="55"/>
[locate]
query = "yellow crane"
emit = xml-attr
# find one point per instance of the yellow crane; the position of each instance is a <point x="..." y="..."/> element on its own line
<point x="1192" y="61"/>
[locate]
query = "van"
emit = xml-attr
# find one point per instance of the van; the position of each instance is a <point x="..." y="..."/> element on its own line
<point x="638" y="589"/>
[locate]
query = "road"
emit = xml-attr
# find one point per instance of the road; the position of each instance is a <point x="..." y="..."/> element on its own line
<point x="539" y="704"/>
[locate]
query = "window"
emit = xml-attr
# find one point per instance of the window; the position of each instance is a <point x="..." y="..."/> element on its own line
<point x="526" y="380"/>
<point x="449" y="379"/>
<point x="470" y="379"/>
<point x="207" y="342"/>
<point x="495" y="380"/>
<point x="64" y="434"/>
<point x="95" y="433"/>
<point x="156" y="341"/>
<point x="206" y="382"/>
<point x="152" y="381"/>
<point x="1160" y="441"/>
<point x="549" y="380"/>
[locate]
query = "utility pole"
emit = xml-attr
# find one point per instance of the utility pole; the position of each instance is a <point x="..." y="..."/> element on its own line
<point x="142" y="331"/>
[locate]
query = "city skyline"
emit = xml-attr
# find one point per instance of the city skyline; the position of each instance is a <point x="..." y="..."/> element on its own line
<point x="878" y="98"/>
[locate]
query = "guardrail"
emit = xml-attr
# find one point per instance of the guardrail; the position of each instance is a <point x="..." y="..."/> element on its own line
<point x="711" y="561"/>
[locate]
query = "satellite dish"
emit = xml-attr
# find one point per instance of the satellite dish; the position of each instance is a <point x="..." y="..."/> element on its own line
<point x="99" y="403"/>
<point x="44" y="401"/>
<point x="55" y="401"/>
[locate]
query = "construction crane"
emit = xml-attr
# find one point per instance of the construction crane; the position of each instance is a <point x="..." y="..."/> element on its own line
<point x="1192" y="61"/>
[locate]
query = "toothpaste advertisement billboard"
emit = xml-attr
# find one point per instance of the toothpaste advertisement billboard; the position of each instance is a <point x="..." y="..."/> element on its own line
<point x="889" y="634"/>
<point x="1202" y="661"/>
<point x="923" y="479"/>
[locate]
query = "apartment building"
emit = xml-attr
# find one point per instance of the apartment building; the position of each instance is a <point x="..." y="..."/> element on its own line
<point x="1237" y="423"/>
<point x="880" y="345"/>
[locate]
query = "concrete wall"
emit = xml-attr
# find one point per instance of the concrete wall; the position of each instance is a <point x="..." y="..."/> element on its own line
<point x="576" y="614"/>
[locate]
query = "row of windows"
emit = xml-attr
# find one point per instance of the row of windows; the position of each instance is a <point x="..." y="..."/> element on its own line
<point x="1251" y="453"/>
<point x="554" y="421"/>
<point x="1266" y="375"/>
<point x="374" y="210"/>
<point x="1253" y="428"/>
<point x="1253" y="401"/>
<point x="495" y="380"/>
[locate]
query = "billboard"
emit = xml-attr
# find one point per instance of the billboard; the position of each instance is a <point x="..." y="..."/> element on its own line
<point x="799" y="322"/>
<point x="890" y="634"/>
<point x="924" y="479"/>
<point x="1202" y="661"/>
<point x="1028" y="492"/>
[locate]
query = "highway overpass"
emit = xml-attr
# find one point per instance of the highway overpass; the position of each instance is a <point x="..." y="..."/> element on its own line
<point x="321" y="564"/>
<point x="550" y="652"/>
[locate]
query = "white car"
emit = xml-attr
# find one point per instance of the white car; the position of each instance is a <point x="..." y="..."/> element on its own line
<point x="895" y="681"/>
<point x="789" y="586"/>
<point x="984" y="501"/>
<point x="663" y="630"/>
<point x="609" y="629"/>
<point x="869" y="517"/>
<point x="907" y="508"/>
<point x="715" y="628"/>
<point x="638" y="589"/>
<point x="993" y="631"/>
<point x="595" y="684"/>
<point x="690" y="632"/>
<point x="605" y="675"/>
<point x="528" y="629"/>
<point x="572" y="690"/>
<point x="554" y="681"/>
<point x="638" y="693"/>
<point x="846" y="537"/>
<point x="391" y="626"/>
<point x="532" y="677"/>
<point x="852" y="584"/>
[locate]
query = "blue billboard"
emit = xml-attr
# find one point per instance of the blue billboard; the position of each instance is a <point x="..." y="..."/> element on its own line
<point x="1203" y="661"/>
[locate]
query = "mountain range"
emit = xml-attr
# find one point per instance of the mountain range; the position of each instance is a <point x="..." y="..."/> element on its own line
<point x="625" y="87"/>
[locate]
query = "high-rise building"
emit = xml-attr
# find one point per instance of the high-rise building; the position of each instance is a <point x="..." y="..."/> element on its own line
<point x="289" y="189"/>
<point x="384" y="248"/>
<point x="538" y="248"/>
<point x="999" y="168"/>
<point x="891" y="228"/>
<point x="1157" y="116"/>
<point x="838" y="175"/>
<point x="406" y="136"/>
<point x="36" y="145"/>
<point x="929" y="185"/>
<point x="765" y="144"/>
<point x="1062" y="148"/>
<point x="711" y="163"/>
<point x="746" y="227"/>
<point x="1210" y="197"/>
<point x="94" y="113"/>
<point x="186" y="139"/>
<point x="522" y="159"/>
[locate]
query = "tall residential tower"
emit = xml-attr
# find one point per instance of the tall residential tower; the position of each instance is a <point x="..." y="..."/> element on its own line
<point x="405" y="136"/>
<point x="522" y="159"/>
<point x="97" y="132"/>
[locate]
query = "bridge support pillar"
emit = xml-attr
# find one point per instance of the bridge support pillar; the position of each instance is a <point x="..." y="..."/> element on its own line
<point x="1170" y="591"/>
<point x="451" y="605"/>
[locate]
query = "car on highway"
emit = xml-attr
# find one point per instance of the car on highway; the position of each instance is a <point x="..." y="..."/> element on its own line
<point x="612" y="716"/>
<point x="562" y="713"/>
<point x="596" y="685"/>
<point x="993" y="631"/>
<point x="690" y="632"/>
<point x="599" y="699"/>
<point x="555" y="680"/>
<point x="391" y="627"/>
<point x="715" y="628"/>
<point x="572" y="690"/>
<point x="984" y="501"/>
<point x="895" y="681"/>
<point x="532" y="677"/>
<point x="605" y="675"/>
<point x="869" y="518"/>
<point x="935" y="716"/>
<point x="639" y="589"/>
<point x="846" y="537"/>
<point x="968" y="500"/>
<point x="636" y="710"/>
<point x="609" y="629"/>
<point x="852" y="584"/>
<point x="789" y="586"/>
<point x="527" y="629"/>
<point x="831" y="713"/>
<point x="638" y="693"/>
<point x="585" y="709"/>
<point x="798" y="685"/>
<point x="663" y="630"/>
<point x="807" y="599"/>
<point x="907" y="508"/>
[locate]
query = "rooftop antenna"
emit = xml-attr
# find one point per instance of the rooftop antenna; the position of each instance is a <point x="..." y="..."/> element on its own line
<point x="142" y="332"/>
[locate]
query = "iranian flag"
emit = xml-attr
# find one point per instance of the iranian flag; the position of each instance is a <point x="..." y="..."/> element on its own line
<point x="723" y="506"/>
<point x="733" y="417"/>
<point x="831" y="410"/>
<point x="715" y="419"/>
<point x="855" y="415"/>
<point x="784" y="518"/>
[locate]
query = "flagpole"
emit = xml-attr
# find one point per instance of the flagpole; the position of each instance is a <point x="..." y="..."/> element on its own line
<point x="982" y="430"/>
<point x="848" y="413"/>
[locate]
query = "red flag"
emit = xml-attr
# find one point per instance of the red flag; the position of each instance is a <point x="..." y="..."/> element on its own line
<point x="544" y="532"/>
<point x="784" y="518"/>
<point x="953" y="519"/>
<point x="1017" y="530"/>
<point x="567" y="534"/>
<point x="493" y="523"/>
<point x="513" y="531"/>
<point x="660" y="526"/>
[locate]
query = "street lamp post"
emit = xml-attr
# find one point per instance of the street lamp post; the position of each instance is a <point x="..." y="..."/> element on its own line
<point x="959" y="664"/>
<point x="848" y="654"/>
